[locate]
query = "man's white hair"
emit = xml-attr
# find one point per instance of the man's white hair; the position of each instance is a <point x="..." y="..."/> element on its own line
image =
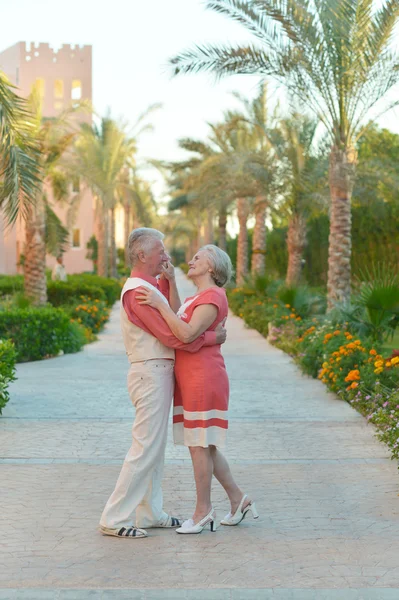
<point x="142" y="239"/>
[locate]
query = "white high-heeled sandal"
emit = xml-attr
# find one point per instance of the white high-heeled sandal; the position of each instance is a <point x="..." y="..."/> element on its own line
<point x="190" y="527"/>
<point x="240" y="513"/>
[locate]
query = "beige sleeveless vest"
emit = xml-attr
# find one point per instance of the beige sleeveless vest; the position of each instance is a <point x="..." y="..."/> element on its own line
<point x="139" y="344"/>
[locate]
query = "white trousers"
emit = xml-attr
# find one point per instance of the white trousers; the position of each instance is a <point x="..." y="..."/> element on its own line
<point x="138" y="489"/>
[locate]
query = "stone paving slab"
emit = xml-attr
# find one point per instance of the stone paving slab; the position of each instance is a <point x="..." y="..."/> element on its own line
<point x="200" y="594"/>
<point x="325" y="487"/>
<point x="107" y="439"/>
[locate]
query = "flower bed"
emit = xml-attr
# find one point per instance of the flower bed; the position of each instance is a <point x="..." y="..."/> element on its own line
<point x="351" y="366"/>
<point x="92" y="314"/>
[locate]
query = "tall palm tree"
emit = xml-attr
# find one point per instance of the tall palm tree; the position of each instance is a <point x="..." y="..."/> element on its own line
<point x="53" y="138"/>
<point x="19" y="166"/>
<point x="336" y="58"/>
<point x="103" y="153"/>
<point x="138" y="204"/>
<point x="261" y="165"/>
<point x="302" y="172"/>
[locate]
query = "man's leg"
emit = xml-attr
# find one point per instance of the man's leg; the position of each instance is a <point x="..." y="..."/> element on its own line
<point x="150" y="510"/>
<point x="151" y="390"/>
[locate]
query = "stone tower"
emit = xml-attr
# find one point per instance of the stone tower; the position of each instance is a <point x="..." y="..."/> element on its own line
<point x="62" y="77"/>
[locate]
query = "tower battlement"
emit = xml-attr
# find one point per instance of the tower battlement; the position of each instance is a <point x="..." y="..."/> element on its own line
<point x="31" y="51"/>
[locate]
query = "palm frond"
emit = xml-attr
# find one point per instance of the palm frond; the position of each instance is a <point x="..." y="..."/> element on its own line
<point x="20" y="173"/>
<point x="57" y="236"/>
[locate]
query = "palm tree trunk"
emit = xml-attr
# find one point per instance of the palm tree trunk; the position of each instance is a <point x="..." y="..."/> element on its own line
<point x="296" y="242"/>
<point x="258" y="263"/>
<point x="209" y="233"/>
<point x="126" y="208"/>
<point x="341" y="175"/>
<point x="103" y="244"/>
<point x="114" y="271"/>
<point x="222" y="242"/>
<point x="242" y="243"/>
<point x="35" y="254"/>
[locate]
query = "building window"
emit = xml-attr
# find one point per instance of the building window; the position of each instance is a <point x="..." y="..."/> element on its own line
<point x="76" y="184"/>
<point x="58" y="88"/>
<point x="17" y="76"/>
<point x="76" y="238"/>
<point x="76" y="89"/>
<point x="40" y="86"/>
<point x="58" y="105"/>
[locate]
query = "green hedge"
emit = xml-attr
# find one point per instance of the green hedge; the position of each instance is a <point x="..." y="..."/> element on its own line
<point x="8" y="357"/>
<point x="66" y="292"/>
<point x="40" y="332"/>
<point x="62" y="292"/>
<point x="10" y="284"/>
<point x="111" y="287"/>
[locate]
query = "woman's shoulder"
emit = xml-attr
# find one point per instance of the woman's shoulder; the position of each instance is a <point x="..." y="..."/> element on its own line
<point x="215" y="290"/>
<point x="213" y="295"/>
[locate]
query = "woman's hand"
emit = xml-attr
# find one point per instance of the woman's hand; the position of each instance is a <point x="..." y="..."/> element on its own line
<point x="150" y="297"/>
<point x="168" y="272"/>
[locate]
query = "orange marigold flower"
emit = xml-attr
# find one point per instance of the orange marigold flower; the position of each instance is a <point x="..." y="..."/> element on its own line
<point x="373" y="352"/>
<point x="337" y="332"/>
<point x="353" y="375"/>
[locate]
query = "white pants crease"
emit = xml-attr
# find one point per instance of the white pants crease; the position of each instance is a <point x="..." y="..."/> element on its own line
<point x="138" y="490"/>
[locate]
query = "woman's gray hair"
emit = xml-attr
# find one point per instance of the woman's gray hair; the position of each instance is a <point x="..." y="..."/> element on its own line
<point x="142" y="239"/>
<point x="222" y="269"/>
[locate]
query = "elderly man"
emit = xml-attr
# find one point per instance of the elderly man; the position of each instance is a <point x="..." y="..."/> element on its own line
<point x="150" y="348"/>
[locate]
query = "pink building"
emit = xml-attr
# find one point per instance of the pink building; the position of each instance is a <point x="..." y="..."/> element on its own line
<point x="62" y="77"/>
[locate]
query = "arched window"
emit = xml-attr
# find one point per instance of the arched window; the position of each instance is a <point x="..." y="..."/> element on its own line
<point x="76" y="93"/>
<point x="58" y="88"/>
<point x="40" y="86"/>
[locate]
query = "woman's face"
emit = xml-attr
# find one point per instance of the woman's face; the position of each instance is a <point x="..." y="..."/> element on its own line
<point x="199" y="264"/>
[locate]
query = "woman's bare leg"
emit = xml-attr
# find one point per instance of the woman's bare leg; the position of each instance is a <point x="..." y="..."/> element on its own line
<point x="203" y="471"/>
<point x="222" y="472"/>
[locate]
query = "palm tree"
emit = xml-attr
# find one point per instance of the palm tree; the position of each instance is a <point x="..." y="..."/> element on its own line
<point x="19" y="168"/>
<point x="103" y="153"/>
<point x="302" y="172"/>
<point x="261" y="165"/>
<point x="42" y="227"/>
<point x="138" y="204"/>
<point x="336" y="58"/>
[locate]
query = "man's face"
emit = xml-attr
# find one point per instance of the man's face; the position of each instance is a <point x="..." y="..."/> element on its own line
<point x="156" y="258"/>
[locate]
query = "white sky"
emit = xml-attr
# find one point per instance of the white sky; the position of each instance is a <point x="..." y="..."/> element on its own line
<point x="132" y="41"/>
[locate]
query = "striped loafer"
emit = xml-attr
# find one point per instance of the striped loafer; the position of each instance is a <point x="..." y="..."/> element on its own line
<point x="167" y="523"/>
<point x="124" y="532"/>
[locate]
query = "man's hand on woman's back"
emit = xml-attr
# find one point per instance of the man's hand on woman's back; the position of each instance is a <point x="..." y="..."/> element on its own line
<point x="221" y="332"/>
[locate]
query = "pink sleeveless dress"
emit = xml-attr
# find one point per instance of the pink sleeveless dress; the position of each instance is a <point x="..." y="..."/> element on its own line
<point x="202" y="386"/>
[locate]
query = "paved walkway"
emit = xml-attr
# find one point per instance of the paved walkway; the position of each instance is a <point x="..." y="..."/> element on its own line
<point x="326" y="489"/>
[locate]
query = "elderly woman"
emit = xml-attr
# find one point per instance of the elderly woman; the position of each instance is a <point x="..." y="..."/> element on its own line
<point x="202" y="387"/>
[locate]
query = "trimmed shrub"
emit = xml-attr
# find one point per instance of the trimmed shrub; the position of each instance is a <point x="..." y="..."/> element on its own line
<point x="69" y="292"/>
<point x="40" y="332"/>
<point x="10" y="284"/>
<point x="111" y="287"/>
<point x="8" y="357"/>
